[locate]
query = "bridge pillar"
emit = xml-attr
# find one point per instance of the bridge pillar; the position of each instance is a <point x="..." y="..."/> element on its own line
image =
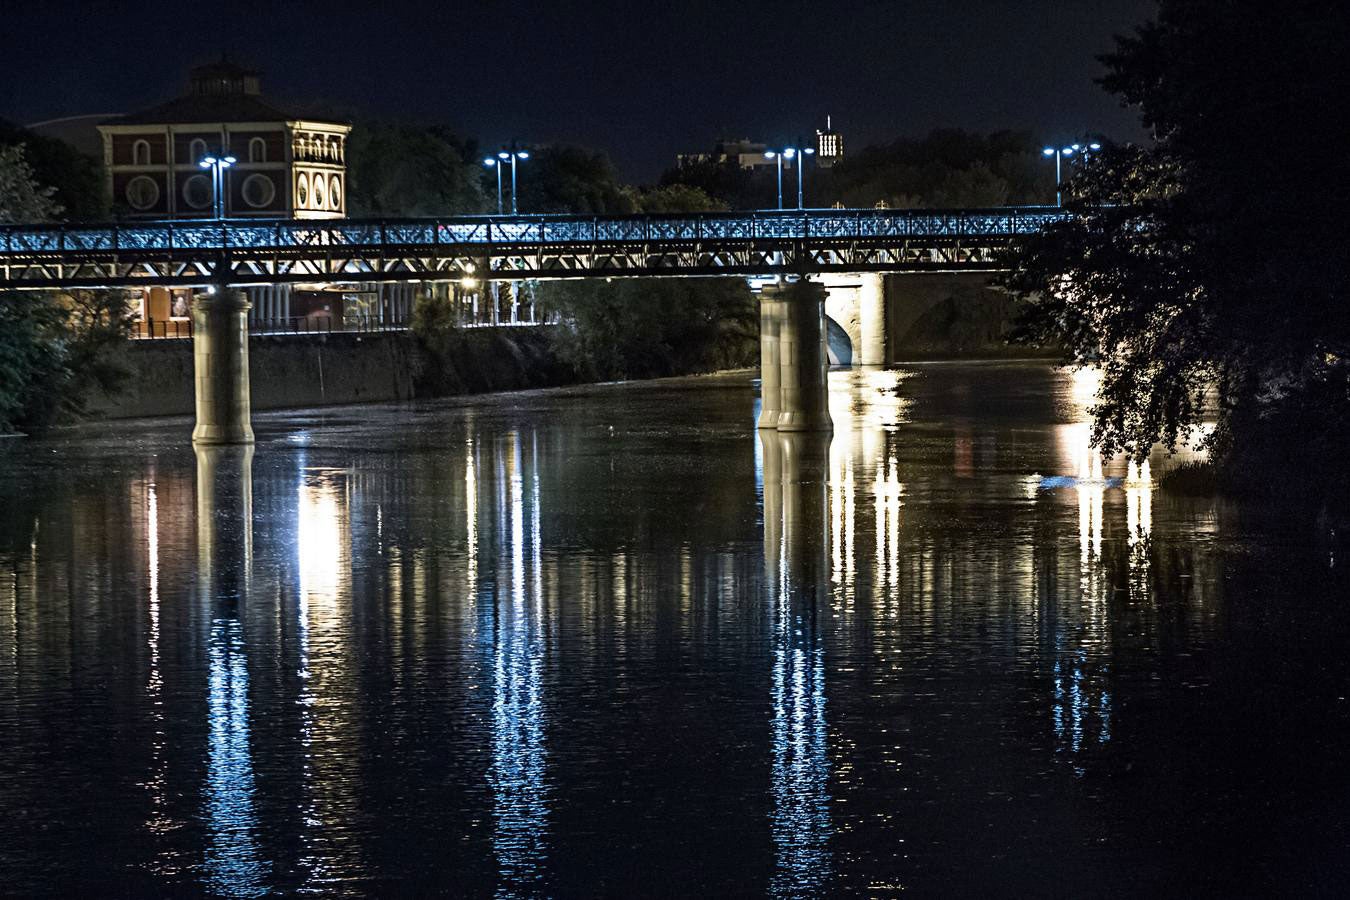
<point x="771" y="310"/>
<point x="804" y="400"/>
<point x="220" y="367"/>
<point x="871" y="321"/>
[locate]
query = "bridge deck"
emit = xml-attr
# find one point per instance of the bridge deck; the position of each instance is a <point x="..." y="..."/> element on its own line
<point x="350" y="250"/>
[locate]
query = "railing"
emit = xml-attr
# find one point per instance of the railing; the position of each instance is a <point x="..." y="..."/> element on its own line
<point x="816" y="224"/>
<point x="181" y="329"/>
<point x="148" y="329"/>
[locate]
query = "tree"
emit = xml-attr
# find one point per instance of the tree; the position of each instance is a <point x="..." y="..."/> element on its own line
<point x="561" y="178"/>
<point x="77" y="178"/>
<point x="22" y="198"/>
<point x="1214" y="259"/>
<point x="643" y="328"/>
<point x="406" y="170"/>
<point x="52" y="347"/>
<point x="947" y="168"/>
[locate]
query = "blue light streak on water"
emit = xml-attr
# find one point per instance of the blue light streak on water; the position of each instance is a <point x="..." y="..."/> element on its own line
<point x="234" y="866"/>
<point x="518" y="773"/>
<point x="800" y="771"/>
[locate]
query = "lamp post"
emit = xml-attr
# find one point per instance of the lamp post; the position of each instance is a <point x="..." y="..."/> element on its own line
<point x="217" y="165"/>
<point x="512" y="155"/>
<point x="506" y="155"/>
<point x="790" y="153"/>
<point x="1060" y="153"/>
<point x="491" y="163"/>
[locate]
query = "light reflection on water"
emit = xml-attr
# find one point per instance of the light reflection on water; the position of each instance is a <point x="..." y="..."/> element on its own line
<point x="518" y="775"/>
<point x="513" y="650"/>
<point x="234" y="864"/>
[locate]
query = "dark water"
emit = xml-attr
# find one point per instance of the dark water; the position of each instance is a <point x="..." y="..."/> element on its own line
<point x="606" y="643"/>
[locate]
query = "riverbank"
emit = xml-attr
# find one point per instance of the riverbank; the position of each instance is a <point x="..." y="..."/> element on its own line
<point x="295" y="372"/>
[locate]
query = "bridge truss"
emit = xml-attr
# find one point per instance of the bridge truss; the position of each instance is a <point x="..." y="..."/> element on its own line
<point x="242" y="253"/>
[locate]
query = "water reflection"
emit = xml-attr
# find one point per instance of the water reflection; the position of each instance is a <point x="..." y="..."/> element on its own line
<point x="327" y="673"/>
<point x="509" y="649"/>
<point x="234" y="864"/>
<point x="518" y="774"/>
<point x="798" y="568"/>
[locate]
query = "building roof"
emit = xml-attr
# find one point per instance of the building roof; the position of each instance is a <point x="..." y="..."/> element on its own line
<point x="218" y="92"/>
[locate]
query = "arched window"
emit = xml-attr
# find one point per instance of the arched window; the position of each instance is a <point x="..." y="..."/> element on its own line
<point x="196" y="150"/>
<point x="140" y="153"/>
<point x="257" y="150"/>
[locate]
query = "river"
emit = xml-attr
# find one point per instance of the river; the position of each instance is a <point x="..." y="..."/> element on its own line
<point x="606" y="641"/>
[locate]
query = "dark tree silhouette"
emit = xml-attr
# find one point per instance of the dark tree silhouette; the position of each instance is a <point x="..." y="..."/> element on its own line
<point x="1215" y="258"/>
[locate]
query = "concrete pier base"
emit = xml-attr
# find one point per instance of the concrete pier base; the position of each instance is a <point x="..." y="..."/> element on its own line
<point x="796" y="515"/>
<point x="220" y="363"/>
<point x="770" y="315"/>
<point x="803" y="363"/>
<point x="871" y="349"/>
<point x="224" y="520"/>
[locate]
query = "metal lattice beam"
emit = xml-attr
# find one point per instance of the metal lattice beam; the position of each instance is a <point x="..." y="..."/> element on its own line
<point x="511" y="247"/>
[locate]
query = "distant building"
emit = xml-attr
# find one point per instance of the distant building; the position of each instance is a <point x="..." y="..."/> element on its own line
<point x="289" y="165"/>
<point x="829" y="146"/>
<point x="744" y="153"/>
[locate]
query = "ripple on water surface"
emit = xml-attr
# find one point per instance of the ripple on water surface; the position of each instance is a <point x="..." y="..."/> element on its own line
<point x="609" y="640"/>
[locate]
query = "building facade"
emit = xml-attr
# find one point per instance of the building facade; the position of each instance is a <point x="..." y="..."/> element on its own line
<point x="288" y="165"/>
<point x="743" y="153"/>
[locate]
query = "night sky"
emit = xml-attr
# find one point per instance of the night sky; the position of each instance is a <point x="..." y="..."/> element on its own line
<point x="640" y="80"/>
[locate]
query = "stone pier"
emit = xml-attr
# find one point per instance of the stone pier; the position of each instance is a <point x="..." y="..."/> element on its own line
<point x="220" y="363"/>
<point x="770" y="314"/>
<point x="795" y="313"/>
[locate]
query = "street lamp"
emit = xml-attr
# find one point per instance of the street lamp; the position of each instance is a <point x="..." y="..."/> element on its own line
<point x="790" y="153"/>
<point x="217" y="165"/>
<point x="491" y="163"/>
<point x="512" y="154"/>
<point x="506" y="155"/>
<point x="1064" y="152"/>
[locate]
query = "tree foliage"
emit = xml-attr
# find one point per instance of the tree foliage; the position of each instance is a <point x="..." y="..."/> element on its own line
<point x="407" y="170"/>
<point x="641" y="328"/>
<point x="76" y="179"/>
<point x="22" y="197"/>
<point x="561" y="178"/>
<point x="1214" y="259"/>
<point x="947" y="168"/>
<point x="52" y="347"/>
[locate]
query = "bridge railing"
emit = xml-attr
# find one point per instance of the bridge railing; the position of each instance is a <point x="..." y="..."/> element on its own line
<point x="814" y="224"/>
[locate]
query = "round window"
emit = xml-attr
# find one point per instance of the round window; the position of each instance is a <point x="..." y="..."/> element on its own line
<point x="335" y="192"/>
<point x="320" y="192"/>
<point x="197" y="192"/>
<point x="258" y="191"/>
<point x="142" y="192"/>
<point x="301" y="191"/>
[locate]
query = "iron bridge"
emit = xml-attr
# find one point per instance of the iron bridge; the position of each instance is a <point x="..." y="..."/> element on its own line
<point x="241" y="253"/>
